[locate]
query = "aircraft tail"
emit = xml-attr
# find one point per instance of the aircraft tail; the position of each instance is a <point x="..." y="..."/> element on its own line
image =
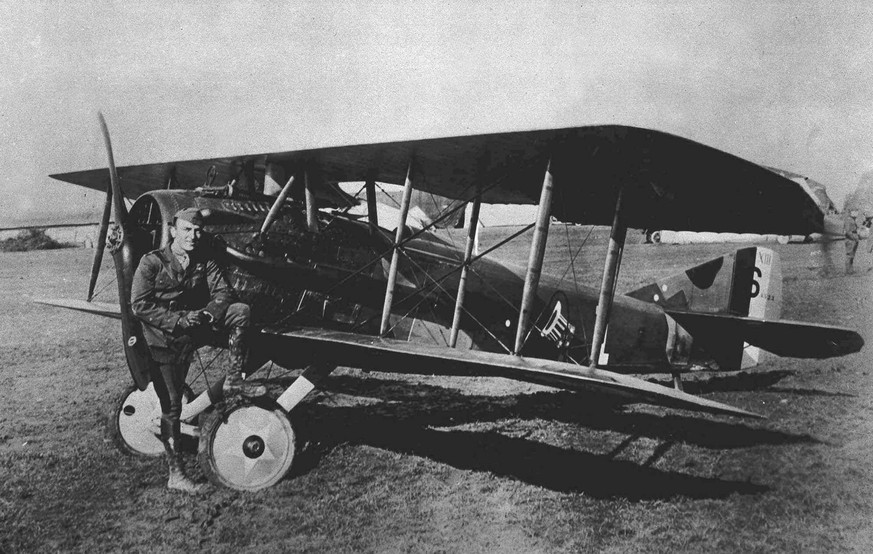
<point x="745" y="284"/>
<point x="727" y="310"/>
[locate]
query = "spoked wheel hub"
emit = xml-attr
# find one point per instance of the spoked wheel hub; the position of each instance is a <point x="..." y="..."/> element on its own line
<point x="253" y="447"/>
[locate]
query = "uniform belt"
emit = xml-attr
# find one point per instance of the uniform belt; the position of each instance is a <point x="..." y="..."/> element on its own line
<point x="174" y="305"/>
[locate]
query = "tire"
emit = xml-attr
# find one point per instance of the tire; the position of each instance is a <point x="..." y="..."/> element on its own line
<point x="134" y="418"/>
<point x="252" y="447"/>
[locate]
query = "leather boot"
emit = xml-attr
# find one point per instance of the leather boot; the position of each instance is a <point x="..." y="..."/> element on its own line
<point x="239" y="353"/>
<point x="178" y="481"/>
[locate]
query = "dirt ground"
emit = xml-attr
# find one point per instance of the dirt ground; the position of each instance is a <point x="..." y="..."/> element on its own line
<point x="395" y="464"/>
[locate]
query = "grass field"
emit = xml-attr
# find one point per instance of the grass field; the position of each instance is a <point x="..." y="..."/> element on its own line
<point x="450" y="464"/>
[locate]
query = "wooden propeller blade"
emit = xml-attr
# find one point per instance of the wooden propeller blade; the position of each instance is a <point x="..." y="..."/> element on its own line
<point x="120" y="209"/>
<point x="100" y="245"/>
<point x="136" y="350"/>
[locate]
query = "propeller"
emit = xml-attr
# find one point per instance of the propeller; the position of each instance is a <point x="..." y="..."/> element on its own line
<point x="100" y="245"/>
<point x="112" y="191"/>
<point x="136" y="351"/>
<point x="118" y="197"/>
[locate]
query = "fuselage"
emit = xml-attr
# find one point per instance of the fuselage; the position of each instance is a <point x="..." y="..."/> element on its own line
<point x="336" y="278"/>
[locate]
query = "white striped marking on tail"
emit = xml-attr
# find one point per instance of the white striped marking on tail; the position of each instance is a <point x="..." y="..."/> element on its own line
<point x="766" y="298"/>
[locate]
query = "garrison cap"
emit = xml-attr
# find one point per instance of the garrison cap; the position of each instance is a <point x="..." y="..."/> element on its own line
<point x="191" y="215"/>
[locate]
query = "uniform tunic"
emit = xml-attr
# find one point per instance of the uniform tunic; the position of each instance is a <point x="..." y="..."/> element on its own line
<point x="163" y="291"/>
<point x="850" y="229"/>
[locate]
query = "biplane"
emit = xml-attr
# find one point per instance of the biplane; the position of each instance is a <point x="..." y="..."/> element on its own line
<point x="329" y="287"/>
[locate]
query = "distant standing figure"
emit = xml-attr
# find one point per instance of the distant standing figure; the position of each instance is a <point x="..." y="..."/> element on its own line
<point x="850" y="230"/>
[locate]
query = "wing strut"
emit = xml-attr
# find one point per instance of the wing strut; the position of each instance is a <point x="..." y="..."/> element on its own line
<point x="311" y="208"/>
<point x="462" y="283"/>
<point x="305" y="383"/>
<point x="535" y="260"/>
<point x="372" y="209"/>
<point x="100" y="245"/>
<point x="395" y="257"/>
<point x="171" y="178"/>
<point x="277" y="206"/>
<point x="607" y="285"/>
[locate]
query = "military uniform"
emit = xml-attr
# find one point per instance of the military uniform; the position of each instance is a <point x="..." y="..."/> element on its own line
<point x="163" y="292"/>
<point x="183" y="301"/>
<point x="850" y="229"/>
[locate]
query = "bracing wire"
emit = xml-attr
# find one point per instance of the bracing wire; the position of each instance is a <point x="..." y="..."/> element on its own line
<point x="398" y="246"/>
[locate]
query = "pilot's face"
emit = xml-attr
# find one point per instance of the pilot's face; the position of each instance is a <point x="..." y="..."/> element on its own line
<point x="185" y="234"/>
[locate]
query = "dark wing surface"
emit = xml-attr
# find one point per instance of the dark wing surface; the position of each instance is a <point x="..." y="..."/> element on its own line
<point x="395" y="356"/>
<point x="189" y="174"/>
<point x="781" y="337"/>
<point x="668" y="182"/>
<point x="139" y="179"/>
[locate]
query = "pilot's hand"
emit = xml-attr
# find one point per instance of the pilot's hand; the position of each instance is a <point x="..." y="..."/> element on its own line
<point x="192" y="319"/>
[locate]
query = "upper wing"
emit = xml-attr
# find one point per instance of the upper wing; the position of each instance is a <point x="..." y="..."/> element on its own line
<point x="816" y="190"/>
<point x="187" y="174"/>
<point x="397" y="356"/>
<point x="668" y="182"/>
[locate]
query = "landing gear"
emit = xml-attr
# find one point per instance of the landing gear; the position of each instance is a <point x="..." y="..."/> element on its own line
<point x="249" y="448"/>
<point x="134" y="421"/>
<point x="677" y="382"/>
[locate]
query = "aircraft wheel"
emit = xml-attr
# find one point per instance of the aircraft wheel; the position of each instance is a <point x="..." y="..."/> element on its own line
<point x="250" y="448"/>
<point x="134" y="421"/>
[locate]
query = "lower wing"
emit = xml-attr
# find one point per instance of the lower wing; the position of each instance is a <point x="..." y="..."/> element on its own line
<point x="396" y="356"/>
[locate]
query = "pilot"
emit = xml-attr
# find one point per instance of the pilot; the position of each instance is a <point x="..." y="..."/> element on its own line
<point x="183" y="300"/>
<point x="865" y="233"/>
<point x="850" y="229"/>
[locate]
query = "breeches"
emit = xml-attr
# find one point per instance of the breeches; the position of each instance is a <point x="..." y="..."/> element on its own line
<point x="169" y="382"/>
<point x="237" y="315"/>
<point x="180" y="348"/>
<point x="851" y="248"/>
<point x="171" y="369"/>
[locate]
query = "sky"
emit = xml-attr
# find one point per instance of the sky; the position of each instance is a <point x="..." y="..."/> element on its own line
<point x="785" y="84"/>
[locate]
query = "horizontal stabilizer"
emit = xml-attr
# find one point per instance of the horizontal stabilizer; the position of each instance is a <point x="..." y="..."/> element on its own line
<point x="394" y="356"/>
<point x="783" y="338"/>
<point x="98" y="308"/>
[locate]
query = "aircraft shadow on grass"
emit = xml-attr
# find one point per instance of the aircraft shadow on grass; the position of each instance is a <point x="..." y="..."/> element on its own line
<point x="808" y="392"/>
<point x="406" y="421"/>
<point x="732" y="382"/>
<point x="758" y="381"/>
